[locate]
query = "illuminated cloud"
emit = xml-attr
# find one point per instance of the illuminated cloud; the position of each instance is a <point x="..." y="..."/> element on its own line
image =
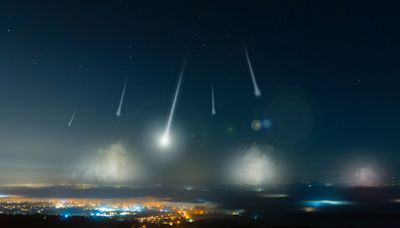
<point x="111" y="164"/>
<point x="365" y="177"/>
<point x="253" y="167"/>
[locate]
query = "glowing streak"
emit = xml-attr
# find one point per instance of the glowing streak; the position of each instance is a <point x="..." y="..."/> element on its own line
<point x="72" y="119"/>
<point x="165" y="139"/>
<point x="274" y="195"/>
<point x="118" y="113"/>
<point x="322" y="203"/>
<point x="212" y="100"/>
<point x="257" y="91"/>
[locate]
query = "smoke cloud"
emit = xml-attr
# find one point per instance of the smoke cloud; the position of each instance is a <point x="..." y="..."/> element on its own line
<point x="110" y="165"/>
<point x="253" y="167"/>
<point x="365" y="177"/>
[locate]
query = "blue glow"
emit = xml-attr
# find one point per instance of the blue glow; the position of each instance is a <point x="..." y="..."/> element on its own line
<point x="267" y="123"/>
<point x="66" y="216"/>
<point x="138" y="208"/>
<point x="105" y="209"/>
<point x="326" y="203"/>
<point x="100" y="214"/>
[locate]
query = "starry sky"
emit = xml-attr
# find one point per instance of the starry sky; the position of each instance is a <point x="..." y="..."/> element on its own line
<point x="328" y="72"/>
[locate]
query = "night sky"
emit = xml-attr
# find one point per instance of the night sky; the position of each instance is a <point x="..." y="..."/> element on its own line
<point x="328" y="72"/>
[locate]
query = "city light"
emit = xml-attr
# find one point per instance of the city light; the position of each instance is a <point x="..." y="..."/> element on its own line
<point x="143" y="210"/>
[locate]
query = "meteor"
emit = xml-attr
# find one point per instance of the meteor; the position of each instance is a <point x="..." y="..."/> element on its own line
<point x="72" y="119"/>
<point x="212" y="100"/>
<point x="118" y="113"/>
<point x="165" y="139"/>
<point x="257" y="91"/>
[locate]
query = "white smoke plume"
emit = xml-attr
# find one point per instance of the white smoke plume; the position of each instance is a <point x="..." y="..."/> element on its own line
<point x="253" y="167"/>
<point x="365" y="177"/>
<point x="110" y="165"/>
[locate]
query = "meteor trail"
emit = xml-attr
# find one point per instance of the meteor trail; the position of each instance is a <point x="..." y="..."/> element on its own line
<point x="165" y="138"/>
<point x="257" y="91"/>
<point x="72" y="119"/>
<point x="118" y="113"/>
<point x="212" y="100"/>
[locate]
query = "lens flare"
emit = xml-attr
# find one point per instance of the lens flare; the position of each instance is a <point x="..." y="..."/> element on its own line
<point x="256" y="125"/>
